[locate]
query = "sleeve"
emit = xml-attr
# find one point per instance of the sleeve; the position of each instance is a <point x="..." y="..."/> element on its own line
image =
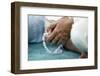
<point x="79" y="33"/>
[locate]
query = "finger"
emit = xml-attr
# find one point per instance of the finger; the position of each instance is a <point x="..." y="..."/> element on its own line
<point x="56" y="39"/>
<point x="59" y="41"/>
<point x="52" y="35"/>
<point x="51" y="27"/>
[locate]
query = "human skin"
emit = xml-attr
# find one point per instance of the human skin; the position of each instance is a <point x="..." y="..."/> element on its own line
<point x="69" y="45"/>
<point x="59" y="33"/>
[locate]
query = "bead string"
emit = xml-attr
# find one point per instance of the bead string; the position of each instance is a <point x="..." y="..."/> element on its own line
<point x="56" y="51"/>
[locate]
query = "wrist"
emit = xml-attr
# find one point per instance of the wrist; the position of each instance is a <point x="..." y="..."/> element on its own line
<point x="69" y="19"/>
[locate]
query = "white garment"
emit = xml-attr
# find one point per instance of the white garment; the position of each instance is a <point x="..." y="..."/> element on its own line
<point x="79" y="33"/>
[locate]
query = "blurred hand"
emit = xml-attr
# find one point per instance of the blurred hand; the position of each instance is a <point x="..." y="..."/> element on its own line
<point x="59" y="32"/>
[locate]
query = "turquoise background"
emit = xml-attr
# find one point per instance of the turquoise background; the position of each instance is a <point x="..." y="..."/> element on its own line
<point x="36" y="51"/>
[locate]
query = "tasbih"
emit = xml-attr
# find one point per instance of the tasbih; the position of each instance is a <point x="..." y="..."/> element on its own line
<point x="58" y="50"/>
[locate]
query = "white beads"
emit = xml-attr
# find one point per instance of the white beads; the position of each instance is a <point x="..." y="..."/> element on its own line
<point x="58" y="50"/>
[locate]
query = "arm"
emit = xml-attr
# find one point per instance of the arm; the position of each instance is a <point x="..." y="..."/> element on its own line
<point x="69" y="45"/>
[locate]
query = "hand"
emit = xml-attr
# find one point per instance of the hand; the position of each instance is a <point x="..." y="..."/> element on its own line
<point x="59" y="32"/>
